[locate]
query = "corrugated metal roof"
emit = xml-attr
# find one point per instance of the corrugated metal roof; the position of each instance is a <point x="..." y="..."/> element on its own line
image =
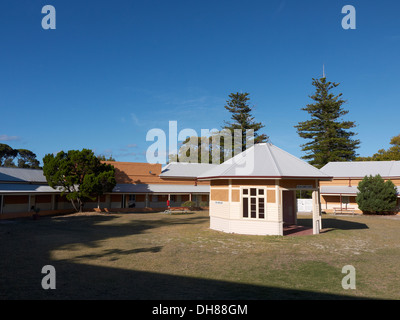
<point x="265" y="160"/>
<point x="185" y="170"/>
<point x="160" y="188"/>
<point x="26" y="188"/>
<point x="344" y="190"/>
<point x="22" y="175"/>
<point x="360" y="169"/>
<point x="338" y="190"/>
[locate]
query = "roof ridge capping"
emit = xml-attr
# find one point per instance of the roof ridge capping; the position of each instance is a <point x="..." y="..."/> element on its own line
<point x="300" y="161"/>
<point x="274" y="162"/>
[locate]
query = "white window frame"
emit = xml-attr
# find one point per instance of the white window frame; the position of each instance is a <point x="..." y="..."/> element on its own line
<point x="257" y="196"/>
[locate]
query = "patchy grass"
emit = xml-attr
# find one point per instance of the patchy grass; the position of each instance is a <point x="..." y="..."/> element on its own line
<point x="159" y="256"/>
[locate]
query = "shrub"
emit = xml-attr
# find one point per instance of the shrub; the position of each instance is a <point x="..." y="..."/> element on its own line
<point x="376" y="196"/>
<point x="203" y="204"/>
<point x="188" y="204"/>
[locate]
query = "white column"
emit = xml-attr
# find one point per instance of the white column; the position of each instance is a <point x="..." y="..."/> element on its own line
<point x="319" y="208"/>
<point x="317" y="221"/>
<point x="295" y="209"/>
<point x="230" y="198"/>
<point x="279" y="206"/>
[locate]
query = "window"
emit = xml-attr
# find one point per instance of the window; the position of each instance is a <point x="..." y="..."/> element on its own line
<point x="253" y="203"/>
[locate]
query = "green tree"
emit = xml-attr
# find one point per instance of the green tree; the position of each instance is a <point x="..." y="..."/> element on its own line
<point x="208" y="149"/>
<point x="195" y="145"/>
<point x="79" y="175"/>
<point x="7" y="155"/>
<point x="242" y="118"/>
<point x="232" y="139"/>
<point x="376" y="196"/>
<point x="102" y="157"/>
<point x="27" y="159"/>
<point x="330" y="138"/>
<point x="393" y="153"/>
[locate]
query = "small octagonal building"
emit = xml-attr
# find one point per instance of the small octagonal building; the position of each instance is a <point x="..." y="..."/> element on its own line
<point x="255" y="192"/>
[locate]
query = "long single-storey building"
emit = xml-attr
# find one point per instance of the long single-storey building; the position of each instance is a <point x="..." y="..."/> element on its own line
<point x="339" y="195"/>
<point x="143" y="185"/>
<point x="139" y="186"/>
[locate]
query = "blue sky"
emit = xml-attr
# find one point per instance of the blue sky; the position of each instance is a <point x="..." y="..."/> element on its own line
<point x="113" y="70"/>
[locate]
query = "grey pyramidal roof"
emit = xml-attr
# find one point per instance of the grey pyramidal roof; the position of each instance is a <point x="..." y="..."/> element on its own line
<point x="265" y="160"/>
<point x="361" y="169"/>
<point x="22" y="175"/>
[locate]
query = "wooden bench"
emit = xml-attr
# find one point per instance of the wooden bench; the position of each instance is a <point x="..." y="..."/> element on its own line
<point x="177" y="210"/>
<point x="344" y="211"/>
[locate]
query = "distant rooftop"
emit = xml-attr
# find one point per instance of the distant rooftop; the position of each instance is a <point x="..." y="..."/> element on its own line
<point x="344" y="190"/>
<point x="360" y="169"/>
<point x="185" y="170"/>
<point x="21" y="175"/>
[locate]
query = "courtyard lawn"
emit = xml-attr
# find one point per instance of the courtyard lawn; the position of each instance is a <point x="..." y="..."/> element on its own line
<point x="159" y="256"/>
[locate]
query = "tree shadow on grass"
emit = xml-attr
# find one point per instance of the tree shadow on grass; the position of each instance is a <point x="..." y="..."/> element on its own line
<point x="90" y="282"/>
<point x="31" y="245"/>
<point x="118" y="252"/>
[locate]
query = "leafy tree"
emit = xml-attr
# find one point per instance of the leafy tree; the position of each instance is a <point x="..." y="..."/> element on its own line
<point x="7" y="155"/>
<point x="79" y="175"/>
<point x="330" y="138"/>
<point x="195" y="145"/>
<point x="208" y="149"/>
<point x="102" y="157"/>
<point x="25" y="158"/>
<point x="393" y="153"/>
<point x="376" y="196"/>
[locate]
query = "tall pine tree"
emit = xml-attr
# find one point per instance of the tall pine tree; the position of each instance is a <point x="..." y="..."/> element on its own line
<point x="330" y="136"/>
<point x="238" y="106"/>
<point x="214" y="148"/>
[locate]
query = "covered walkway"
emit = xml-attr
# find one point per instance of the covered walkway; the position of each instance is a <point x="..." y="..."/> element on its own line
<point x="295" y="230"/>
